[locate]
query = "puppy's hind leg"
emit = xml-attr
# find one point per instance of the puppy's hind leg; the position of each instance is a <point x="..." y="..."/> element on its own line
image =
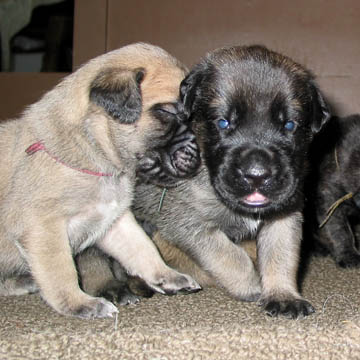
<point x="98" y="279"/>
<point x="18" y="285"/>
<point x="127" y="243"/>
<point x="52" y="266"/>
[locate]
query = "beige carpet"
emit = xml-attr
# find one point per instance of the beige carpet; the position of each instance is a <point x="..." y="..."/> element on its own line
<point x="206" y="325"/>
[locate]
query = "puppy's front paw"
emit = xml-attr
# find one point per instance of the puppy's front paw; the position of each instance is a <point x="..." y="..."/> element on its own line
<point x="175" y="283"/>
<point x="291" y="309"/>
<point x="93" y="308"/>
<point x="117" y="292"/>
<point x="349" y="260"/>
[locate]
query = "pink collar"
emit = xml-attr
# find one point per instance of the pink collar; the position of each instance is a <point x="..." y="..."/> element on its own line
<point x="38" y="146"/>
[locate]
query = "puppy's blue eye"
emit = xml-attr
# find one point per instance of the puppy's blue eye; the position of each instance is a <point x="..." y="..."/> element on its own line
<point x="223" y="124"/>
<point x="289" y="125"/>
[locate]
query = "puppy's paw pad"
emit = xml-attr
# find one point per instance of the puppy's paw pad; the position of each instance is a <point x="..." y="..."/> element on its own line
<point x="291" y="309"/>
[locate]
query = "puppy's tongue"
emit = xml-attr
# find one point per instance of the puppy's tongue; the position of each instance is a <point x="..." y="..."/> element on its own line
<point x="256" y="199"/>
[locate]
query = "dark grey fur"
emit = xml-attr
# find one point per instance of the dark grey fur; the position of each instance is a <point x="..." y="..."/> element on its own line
<point x="336" y="158"/>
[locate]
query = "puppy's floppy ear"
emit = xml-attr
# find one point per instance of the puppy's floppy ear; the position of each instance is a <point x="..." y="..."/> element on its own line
<point x="320" y="110"/>
<point x="190" y="88"/>
<point x="118" y="92"/>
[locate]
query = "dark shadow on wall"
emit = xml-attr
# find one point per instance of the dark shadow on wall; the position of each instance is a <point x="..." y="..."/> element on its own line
<point x="46" y="43"/>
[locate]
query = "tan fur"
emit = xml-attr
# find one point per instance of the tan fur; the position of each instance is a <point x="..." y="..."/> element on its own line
<point x="49" y="211"/>
<point x="178" y="259"/>
<point x="279" y="240"/>
<point x="95" y="273"/>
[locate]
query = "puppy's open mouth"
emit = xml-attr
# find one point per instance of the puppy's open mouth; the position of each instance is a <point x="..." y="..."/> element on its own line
<point x="256" y="199"/>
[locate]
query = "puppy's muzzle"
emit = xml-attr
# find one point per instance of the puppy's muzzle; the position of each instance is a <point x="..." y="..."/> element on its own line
<point x="257" y="173"/>
<point x="184" y="153"/>
<point x="255" y="168"/>
<point x="178" y="159"/>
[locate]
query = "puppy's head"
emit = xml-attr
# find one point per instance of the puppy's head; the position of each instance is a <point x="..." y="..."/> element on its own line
<point x="136" y="96"/>
<point x="255" y="113"/>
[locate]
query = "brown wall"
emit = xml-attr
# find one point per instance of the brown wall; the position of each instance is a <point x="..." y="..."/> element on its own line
<point x="17" y="90"/>
<point x="90" y="30"/>
<point x="324" y="35"/>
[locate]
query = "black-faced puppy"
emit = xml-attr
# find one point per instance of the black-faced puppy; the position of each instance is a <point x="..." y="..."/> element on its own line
<point x="334" y="192"/>
<point x="69" y="170"/>
<point x="255" y="113"/>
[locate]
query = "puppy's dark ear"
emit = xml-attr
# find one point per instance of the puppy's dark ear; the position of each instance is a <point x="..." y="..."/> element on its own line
<point x="320" y="109"/>
<point x="118" y="92"/>
<point x="190" y="88"/>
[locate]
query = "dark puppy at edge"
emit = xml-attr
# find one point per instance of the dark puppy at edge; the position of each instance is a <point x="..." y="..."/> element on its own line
<point x="255" y="113"/>
<point x="336" y="167"/>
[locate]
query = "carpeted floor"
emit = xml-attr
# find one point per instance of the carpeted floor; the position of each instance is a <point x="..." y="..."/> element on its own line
<point x="206" y="325"/>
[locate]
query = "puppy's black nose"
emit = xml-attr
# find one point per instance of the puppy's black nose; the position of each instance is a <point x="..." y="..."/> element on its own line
<point x="257" y="175"/>
<point x="254" y="166"/>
